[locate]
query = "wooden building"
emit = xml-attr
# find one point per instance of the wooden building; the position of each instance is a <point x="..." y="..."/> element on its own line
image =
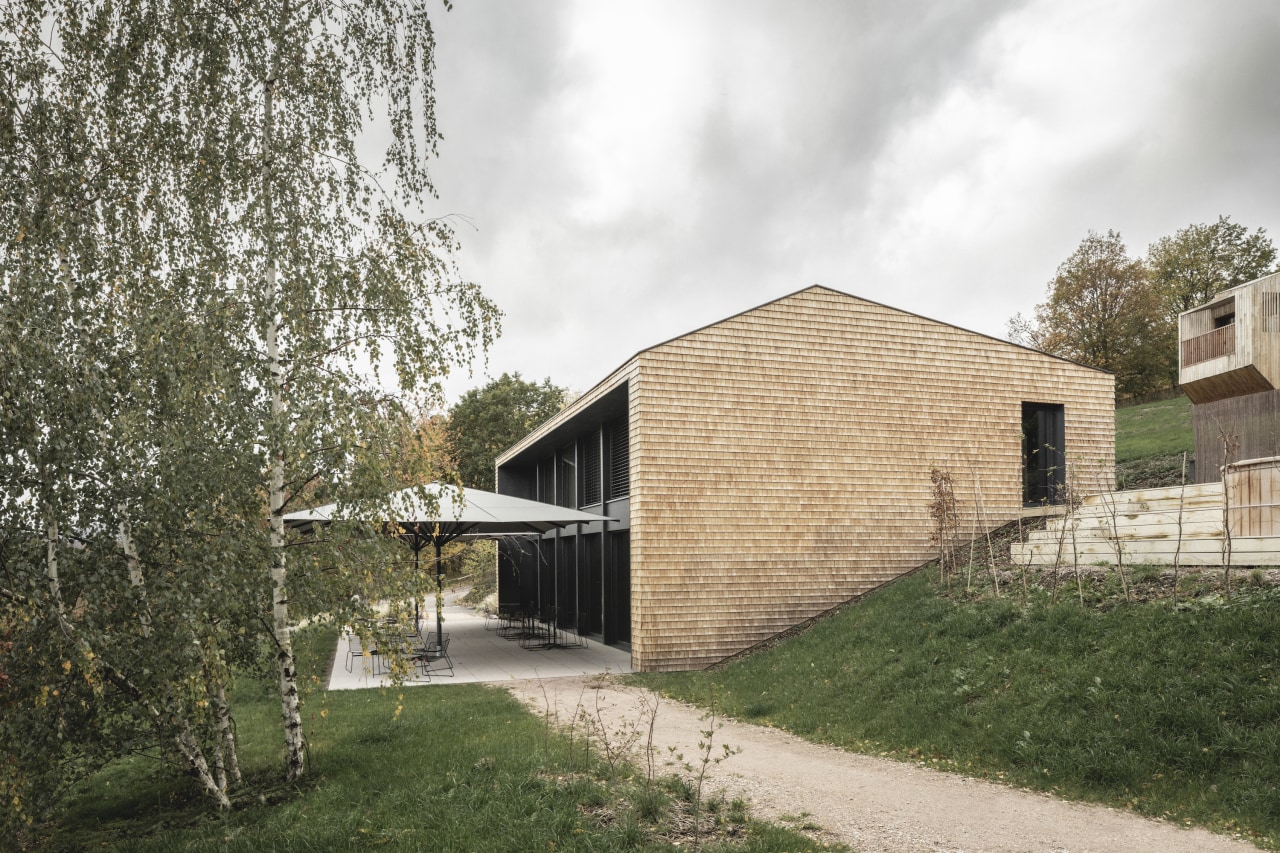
<point x="1229" y="365"/>
<point x="775" y="464"/>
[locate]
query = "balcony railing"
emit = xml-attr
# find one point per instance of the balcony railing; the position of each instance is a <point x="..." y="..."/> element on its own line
<point x="1219" y="342"/>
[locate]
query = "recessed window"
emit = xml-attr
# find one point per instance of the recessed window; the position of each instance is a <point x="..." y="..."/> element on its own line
<point x="591" y="482"/>
<point x="567" y="477"/>
<point x="1043" y="453"/>
<point x="619" y="459"/>
<point x="1209" y="332"/>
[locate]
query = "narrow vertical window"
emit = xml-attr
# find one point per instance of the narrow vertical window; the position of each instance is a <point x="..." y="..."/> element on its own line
<point x="546" y="486"/>
<point x="619" y="460"/>
<point x="591" y="482"/>
<point x="567" y="476"/>
<point x="1044" y="473"/>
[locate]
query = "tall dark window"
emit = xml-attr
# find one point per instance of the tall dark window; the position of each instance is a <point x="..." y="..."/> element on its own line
<point x="617" y="589"/>
<point x="519" y="571"/>
<point x="566" y="594"/>
<point x="567" y="476"/>
<point x="1043" y="453"/>
<point x="546" y="596"/>
<point x="591" y="584"/>
<point x="619" y="459"/>
<point x="591" y="469"/>
<point x="546" y="477"/>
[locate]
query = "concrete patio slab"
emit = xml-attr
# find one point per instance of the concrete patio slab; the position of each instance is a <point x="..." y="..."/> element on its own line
<point x="480" y="655"/>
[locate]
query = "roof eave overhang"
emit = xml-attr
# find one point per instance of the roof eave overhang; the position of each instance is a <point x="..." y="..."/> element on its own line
<point x="607" y="401"/>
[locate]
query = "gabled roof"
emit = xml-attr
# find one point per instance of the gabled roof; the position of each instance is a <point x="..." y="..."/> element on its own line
<point x="822" y="287"/>
<point x="607" y="387"/>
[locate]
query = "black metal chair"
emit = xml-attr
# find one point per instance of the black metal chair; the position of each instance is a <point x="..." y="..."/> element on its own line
<point x="435" y="660"/>
<point x="569" y="637"/>
<point x="354" y="650"/>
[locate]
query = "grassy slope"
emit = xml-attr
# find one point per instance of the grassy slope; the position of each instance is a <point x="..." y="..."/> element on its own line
<point x="1154" y="429"/>
<point x="1150" y="442"/>
<point x="1171" y="713"/>
<point x="457" y="768"/>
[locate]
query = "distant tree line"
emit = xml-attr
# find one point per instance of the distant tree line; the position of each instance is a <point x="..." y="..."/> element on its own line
<point x="1108" y="310"/>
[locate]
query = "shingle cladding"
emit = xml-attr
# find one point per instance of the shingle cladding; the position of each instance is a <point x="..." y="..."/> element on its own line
<point x="780" y="460"/>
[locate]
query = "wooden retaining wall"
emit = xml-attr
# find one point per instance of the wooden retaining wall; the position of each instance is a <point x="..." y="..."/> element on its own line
<point x="1155" y="527"/>
<point x="1253" y="497"/>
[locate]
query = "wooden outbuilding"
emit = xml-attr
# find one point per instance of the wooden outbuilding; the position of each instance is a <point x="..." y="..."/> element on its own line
<point x="768" y="467"/>
<point x="1229" y="365"/>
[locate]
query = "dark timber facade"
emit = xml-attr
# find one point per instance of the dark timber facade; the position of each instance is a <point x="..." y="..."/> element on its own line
<point x="583" y="572"/>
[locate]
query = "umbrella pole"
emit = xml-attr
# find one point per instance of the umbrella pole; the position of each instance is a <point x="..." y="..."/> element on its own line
<point x="439" y="601"/>
<point x="416" y="614"/>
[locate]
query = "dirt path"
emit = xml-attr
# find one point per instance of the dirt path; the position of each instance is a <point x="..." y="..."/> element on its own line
<point x="875" y="805"/>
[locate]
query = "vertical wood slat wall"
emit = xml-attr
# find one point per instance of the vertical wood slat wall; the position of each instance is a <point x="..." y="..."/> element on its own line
<point x="1212" y="344"/>
<point x="1250" y="424"/>
<point x="1266" y="327"/>
<point x="780" y="461"/>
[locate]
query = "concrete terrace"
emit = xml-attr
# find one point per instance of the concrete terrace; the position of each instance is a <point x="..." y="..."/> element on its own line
<point x="480" y="655"/>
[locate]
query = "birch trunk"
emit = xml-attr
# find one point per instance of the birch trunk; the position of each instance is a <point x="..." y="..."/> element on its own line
<point x="190" y="749"/>
<point x="290" y="709"/>
<point x="226" y="732"/>
<point x="226" y="763"/>
<point x="184" y="738"/>
<point x="130" y="549"/>
<point x="51" y="558"/>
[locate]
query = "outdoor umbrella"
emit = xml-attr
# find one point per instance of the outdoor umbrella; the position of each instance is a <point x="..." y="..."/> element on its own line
<point x="458" y="513"/>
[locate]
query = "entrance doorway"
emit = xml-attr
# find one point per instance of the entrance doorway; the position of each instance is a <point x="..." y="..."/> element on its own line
<point x="591" y="585"/>
<point x="1044" y="470"/>
<point x="617" y="589"/>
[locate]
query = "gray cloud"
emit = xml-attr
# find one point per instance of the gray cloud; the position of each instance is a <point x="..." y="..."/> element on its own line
<point x="635" y="170"/>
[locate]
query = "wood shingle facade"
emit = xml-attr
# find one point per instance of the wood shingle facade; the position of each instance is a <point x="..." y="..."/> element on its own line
<point x="778" y="463"/>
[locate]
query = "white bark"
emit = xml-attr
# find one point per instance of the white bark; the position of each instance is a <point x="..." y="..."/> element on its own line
<point x="51" y="558"/>
<point x="226" y="763"/>
<point x="130" y="549"/>
<point x="226" y="733"/>
<point x="184" y="739"/>
<point x="290" y="709"/>
<point x="190" y="749"/>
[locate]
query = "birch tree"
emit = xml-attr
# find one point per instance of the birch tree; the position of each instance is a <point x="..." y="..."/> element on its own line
<point x="222" y="267"/>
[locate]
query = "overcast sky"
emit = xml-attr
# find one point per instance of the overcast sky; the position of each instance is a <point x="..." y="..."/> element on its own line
<point x="634" y="170"/>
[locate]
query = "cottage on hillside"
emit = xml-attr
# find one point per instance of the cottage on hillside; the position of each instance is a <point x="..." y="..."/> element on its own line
<point x="1229" y="365"/>
<point x="775" y="464"/>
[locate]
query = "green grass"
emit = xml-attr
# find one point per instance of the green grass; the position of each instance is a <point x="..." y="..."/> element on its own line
<point x="1172" y="713"/>
<point x="1154" y="429"/>
<point x="447" y="768"/>
<point x="1152" y="472"/>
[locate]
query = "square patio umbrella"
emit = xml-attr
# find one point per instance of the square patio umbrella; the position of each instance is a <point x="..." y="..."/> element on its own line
<point x="470" y="513"/>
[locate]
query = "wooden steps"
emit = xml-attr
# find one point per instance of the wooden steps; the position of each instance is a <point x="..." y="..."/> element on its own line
<point x="1144" y="525"/>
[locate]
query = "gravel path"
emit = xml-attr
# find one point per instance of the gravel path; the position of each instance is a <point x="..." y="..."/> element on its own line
<point x="874" y="805"/>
